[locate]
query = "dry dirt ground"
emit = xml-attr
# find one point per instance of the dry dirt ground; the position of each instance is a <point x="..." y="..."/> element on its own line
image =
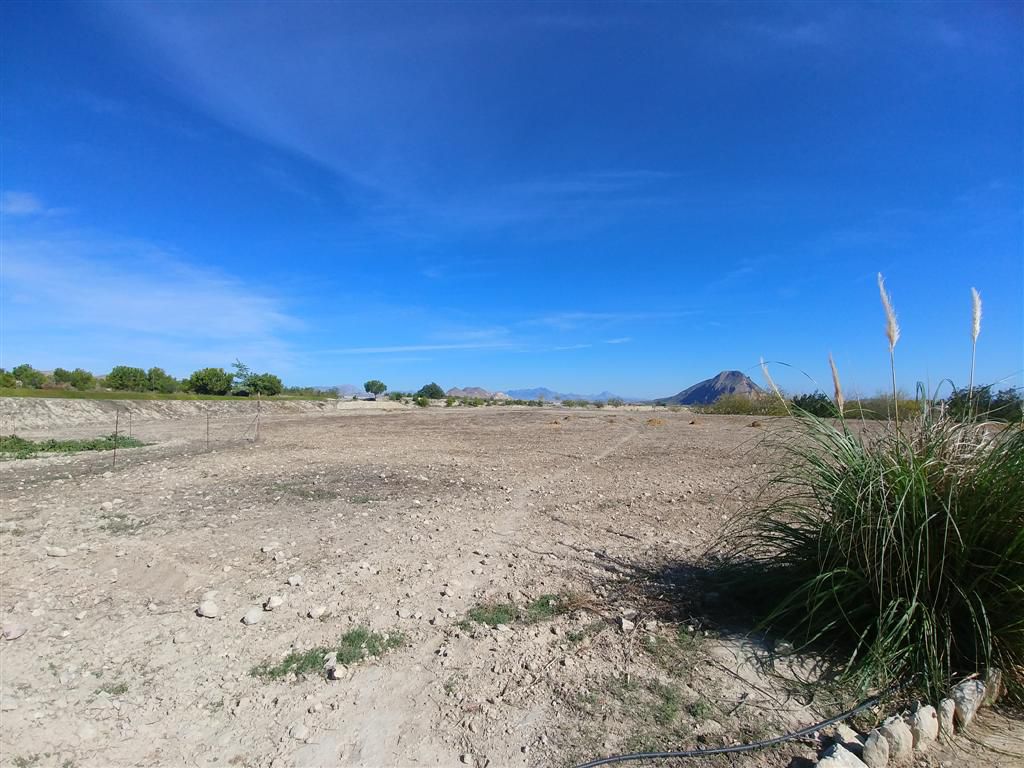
<point x="403" y="521"/>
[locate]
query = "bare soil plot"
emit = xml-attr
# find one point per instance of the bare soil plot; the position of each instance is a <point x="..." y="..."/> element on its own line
<point x="523" y="573"/>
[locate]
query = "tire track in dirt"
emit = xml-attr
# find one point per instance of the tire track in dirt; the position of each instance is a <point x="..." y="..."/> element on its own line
<point x="395" y="720"/>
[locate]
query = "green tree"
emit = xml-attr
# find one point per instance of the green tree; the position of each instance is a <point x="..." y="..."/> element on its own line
<point x="127" y="378"/>
<point x="158" y="380"/>
<point x="7" y="378"/>
<point x="61" y="376"/>
<point x="375" y="387"/>
<point x="264" y="384"/>
<point x="817" y="404"/>
<point x="29" y="376"/>
<point x="210" y="381"/>
<point x="431" y="390"/>
<point x="82" y="379"/>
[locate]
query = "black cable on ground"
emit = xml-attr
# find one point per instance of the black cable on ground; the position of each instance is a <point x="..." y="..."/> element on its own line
<point x="868" y="703"/>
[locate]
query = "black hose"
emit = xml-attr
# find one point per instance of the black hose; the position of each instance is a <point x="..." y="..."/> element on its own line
<point x="737" y="747"/>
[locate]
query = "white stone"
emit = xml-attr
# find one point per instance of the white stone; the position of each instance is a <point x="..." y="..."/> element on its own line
<point x="967" y="696"/>
<point x="626" y="625"/>
<point x="993" y="687"/>
<point x="849" y="738"/>
<point x="901" y="741"/>
<point x="14" y="631"/>
<point x="252" y="616"/>
<point x="947" y="711"/>
<point x="876" y="750"/>
<point x="295" y="580"/>
<point x="316" y="612"/>
<point x="924" y="727"/>
<point x="208" y="609"/>
<point x="838" y="756"/>
<point x="299" y="731"/>
<point x="274" y="601"/>
<point x="56" y="552"/>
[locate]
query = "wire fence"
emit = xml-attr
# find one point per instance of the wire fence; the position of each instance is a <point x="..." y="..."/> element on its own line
<point x="201" y="430"/>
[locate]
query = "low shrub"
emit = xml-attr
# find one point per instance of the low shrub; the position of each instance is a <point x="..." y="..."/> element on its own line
<point x="745" y="405"/>
<point x="815" y="404"/>
<point x="20" y="448"/>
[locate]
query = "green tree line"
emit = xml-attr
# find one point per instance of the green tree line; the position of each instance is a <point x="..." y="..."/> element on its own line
<point x="242" y="382"/>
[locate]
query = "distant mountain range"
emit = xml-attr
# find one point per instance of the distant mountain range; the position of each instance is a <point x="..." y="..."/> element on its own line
<point x="702" y="393"/>
<point x="551" y="395"/>
<point x="709" y="390"/>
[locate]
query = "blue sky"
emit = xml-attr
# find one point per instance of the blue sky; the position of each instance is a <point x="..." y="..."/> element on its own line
<point x="584" y="196"/>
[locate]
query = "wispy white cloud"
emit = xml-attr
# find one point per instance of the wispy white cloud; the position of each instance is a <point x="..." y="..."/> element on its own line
<point x="97" y="296"/>
<point x="20" y="204"/>
<point x="571" y="346"/>
<point x="620" y="340"/>
<point x="568" y="321"/>
<point x="415" y="348"/>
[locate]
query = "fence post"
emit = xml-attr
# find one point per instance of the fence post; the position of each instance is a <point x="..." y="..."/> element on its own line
<point x="117" y="420"/>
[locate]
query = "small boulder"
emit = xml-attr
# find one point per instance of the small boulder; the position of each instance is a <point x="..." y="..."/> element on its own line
<point x="295" y="580"/>
<point x="849" y="738"/>
<point x="901" y="741"/>
<point x="316" y="612"/>
<point x="626" y="624"/>
<point x="924" y="727"/>
<point x="274" y="601"/>
<point x="993" y="687"/>
<point x="14" y="631"/>
<point x="838" y="756"/>
<point x="252" y="616"/>
<point x="967" y="697"/>
<point x="876" y="750"/>
<point x="947" y="712"/>
<point x="299" y="731"/>
<point x="56" y="552"/>
<point x="208" y="609"/>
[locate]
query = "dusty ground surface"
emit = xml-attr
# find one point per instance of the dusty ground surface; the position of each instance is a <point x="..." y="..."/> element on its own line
<point x="402" y="521"/>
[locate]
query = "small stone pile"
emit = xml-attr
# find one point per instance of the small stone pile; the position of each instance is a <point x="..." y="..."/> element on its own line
<point x="896" y="740"/>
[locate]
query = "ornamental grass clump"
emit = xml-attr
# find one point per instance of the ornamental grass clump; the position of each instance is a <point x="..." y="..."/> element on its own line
<point x="897" y="548"/>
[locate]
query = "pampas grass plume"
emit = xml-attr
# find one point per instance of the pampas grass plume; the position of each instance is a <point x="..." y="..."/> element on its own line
<point x="840" y="400"/>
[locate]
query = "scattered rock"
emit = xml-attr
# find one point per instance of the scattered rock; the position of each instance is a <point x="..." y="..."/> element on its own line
<point x="295" y="580"/>
<point x="467" y="758"/>
<point x="876" y="750"/>
<point x="252" y="616"/>
<point x="56" y="552"/>
<point x="316" y="612"/>
<point x="274" y="601"/>
<point x="947" y="711"/>
<point x="7" y="703"/>
<point x="299" y="731"/>
<point x="755" y="423"/>
<point x="626" y="625"/>
<point x="208" y="609"/>
<point x="967" y="697"/>
<point x="901" y="741"/>
<point x="838" y="756"/>
<point x="993" y="687"/>
<point x="924" y="727"/>
<point x="14" y="631"/>
<point x="849" y="738"/>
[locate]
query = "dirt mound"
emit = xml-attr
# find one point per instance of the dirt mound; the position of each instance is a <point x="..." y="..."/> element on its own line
<point x="26" y="414"/>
